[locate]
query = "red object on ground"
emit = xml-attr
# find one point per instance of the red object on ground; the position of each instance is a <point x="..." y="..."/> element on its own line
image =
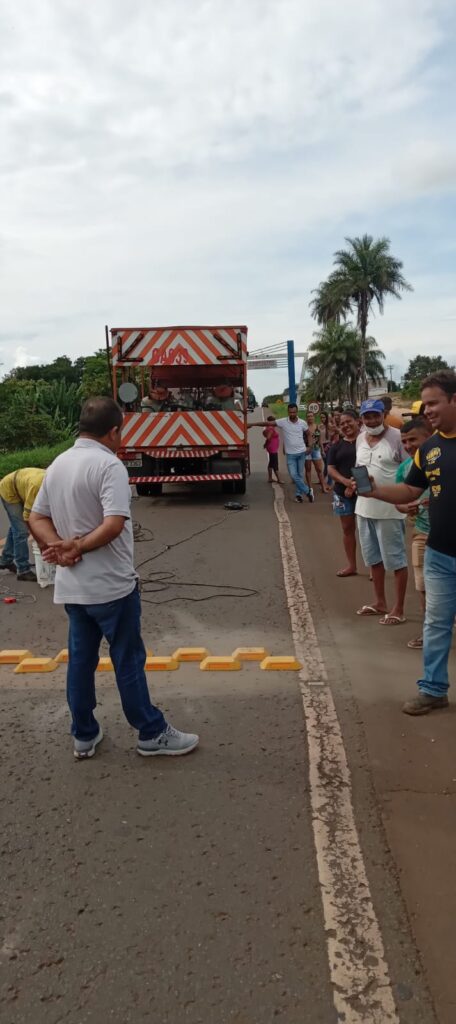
<point x="9" y="600"/>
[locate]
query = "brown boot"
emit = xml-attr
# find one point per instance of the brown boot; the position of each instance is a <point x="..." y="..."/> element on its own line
<point x="423" y="704"/>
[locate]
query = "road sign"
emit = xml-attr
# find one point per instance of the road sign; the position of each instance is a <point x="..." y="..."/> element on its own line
<point x="263" y="364"/>
<point x="313" y="407"/>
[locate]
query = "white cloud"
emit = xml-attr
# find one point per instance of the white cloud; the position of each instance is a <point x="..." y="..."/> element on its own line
<point x="200" y="160"/>
<point x="22" y="356"/>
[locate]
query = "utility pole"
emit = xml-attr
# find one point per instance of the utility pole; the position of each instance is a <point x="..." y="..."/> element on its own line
<point x="291" y="372"/>
<point x="390" y="367"/>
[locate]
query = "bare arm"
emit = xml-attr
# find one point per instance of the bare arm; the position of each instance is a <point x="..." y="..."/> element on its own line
<point x="110" y="528"/>
<point x="43" y="530"/>
<point x="395" y="494"/>
<point x="69" y="551"/>
<point x="335" y="475"/>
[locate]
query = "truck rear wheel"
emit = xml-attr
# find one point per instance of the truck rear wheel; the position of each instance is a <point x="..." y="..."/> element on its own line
<point x="149" y="490"/>
<point x="240" y="486"/>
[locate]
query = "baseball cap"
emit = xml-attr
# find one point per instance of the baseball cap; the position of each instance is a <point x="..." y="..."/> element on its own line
<point x="416" y="407"/>
<point x="372" y="405"/>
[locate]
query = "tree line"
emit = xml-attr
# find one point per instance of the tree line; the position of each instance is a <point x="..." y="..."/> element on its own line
<point x="40" y="404"/>
<point x="344" y="357"/>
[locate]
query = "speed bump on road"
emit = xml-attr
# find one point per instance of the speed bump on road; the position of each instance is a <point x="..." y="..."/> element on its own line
<point x="36" y="665"/>
<point x="105" y="665"/>
<point x="281" y="664"/>
<point x="26" y="662"/>
<point x="159" y="664"/>
<point x="190" y="654"/>
<point x="14" y="657"/>
<point x="62" y="657"/>
<point x="250" y="653"/>
<point x="220" y="664"/>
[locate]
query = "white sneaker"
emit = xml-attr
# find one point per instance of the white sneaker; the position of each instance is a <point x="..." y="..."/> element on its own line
<point x="86" y="748"/>
<point x="171" y="742"/>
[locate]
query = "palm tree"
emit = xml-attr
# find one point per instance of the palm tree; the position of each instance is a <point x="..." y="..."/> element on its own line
<point x="334" y="360"/>
<point x="366" y="272"/>
<point x="330" y="302"/>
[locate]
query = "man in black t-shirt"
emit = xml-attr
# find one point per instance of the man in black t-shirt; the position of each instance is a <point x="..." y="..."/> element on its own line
<point x="435" y="468"/>
<point x="341" y="459"/>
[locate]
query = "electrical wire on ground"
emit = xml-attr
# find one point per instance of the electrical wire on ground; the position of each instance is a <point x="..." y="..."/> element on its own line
<point x="157" y="582"/>
<point x="18" y="595"/>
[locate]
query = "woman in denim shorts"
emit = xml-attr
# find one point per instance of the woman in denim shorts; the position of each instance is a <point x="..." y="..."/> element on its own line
<point x="341" y="459"/>
<point x="313" y="455"/>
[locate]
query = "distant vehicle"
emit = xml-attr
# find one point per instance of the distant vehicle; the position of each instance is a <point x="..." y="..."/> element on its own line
<point x="184" y="395"/>
<point x="251" y="404"/>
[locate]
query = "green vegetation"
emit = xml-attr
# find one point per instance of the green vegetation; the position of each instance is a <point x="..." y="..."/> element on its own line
<point x="279" y="409"/>
<point x="40" y="457"/>
<point x="365" y="274"/>
<point x="270" y="399"/>
<point x="334" y="360"/>
<point x="40" y="405"/>
<point x="419" y="368"/>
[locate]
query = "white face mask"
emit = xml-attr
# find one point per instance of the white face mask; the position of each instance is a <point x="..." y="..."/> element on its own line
<point x="374" y="431"/>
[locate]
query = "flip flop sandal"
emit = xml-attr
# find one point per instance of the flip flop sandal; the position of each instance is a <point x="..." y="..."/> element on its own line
<point x="392" y="620"/>
<point x="341" y="573"/>
<point x="368" y="610"/>
<point x="417" y="644"/>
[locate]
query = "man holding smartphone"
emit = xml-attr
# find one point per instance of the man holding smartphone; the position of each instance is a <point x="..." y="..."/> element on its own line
<point x="381" y="526"/>
<point x="434" y="469"/>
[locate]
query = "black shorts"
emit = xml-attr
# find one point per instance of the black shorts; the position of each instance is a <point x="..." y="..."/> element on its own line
<point x="273" y="461"/>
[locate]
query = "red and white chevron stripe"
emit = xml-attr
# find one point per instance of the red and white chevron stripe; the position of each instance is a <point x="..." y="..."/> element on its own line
<point x="143" y="429"/>
<point x="178" y="346"/>
<point x="185" y="479"/>
<point x="164" y="453"/>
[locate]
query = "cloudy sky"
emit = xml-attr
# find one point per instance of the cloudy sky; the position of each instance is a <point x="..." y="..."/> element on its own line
<point x="195" y="161"/>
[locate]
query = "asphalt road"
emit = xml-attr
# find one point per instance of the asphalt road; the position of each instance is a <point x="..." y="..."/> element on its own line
<point x="189" y="890"/>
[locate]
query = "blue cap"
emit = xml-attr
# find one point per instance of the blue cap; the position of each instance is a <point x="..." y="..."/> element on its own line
<point x="372" y="405"/>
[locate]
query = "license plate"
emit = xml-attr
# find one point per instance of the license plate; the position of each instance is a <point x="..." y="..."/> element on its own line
<point x="133" y="463"/>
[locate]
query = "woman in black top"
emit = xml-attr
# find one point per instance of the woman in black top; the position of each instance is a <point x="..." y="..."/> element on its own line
<point x="341" y="460"/>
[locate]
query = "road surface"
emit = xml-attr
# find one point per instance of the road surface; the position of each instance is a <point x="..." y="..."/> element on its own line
<point x="259" y="879"/>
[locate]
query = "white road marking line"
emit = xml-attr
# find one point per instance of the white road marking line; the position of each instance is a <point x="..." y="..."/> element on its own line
<point x="359" y="973"/>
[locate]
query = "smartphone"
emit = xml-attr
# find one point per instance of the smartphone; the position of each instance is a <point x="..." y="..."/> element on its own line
<point x="361" y="478"/>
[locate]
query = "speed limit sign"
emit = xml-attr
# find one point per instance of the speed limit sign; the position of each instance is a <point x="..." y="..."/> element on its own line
<point x="313" y="407"/>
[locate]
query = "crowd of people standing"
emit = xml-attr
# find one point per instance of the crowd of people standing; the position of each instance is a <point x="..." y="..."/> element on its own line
<point x="79" y="514"/>
<point x="411" y="475"/>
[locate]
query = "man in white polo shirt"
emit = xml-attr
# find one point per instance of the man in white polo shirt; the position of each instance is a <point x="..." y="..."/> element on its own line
<point x="381" y="526"/>
<point x="81" y="520"/>
<point x="294" y="434"/>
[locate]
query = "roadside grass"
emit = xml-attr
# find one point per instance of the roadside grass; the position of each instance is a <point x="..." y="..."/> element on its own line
<point x="279" y="409"/>
<point x="39" y="458"/>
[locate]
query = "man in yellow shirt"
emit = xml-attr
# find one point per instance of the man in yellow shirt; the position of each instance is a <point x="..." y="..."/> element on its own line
<point x="17" y="494"/>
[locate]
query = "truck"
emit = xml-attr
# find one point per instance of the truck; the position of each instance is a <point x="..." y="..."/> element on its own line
<point x="183" y="391"/>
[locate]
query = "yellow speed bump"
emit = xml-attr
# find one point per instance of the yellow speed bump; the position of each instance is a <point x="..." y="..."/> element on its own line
<point x="280" y="663"/>
<point x="220" y="664"/>
<point x="250" y="653"/>
<point x="158" y="664"/>
<point x="36" y="665"/>
<point x="62" y="657"/>
<point x="13" y="657"/>
<point x="190" y="654"/>
<point x="105" y="665"/>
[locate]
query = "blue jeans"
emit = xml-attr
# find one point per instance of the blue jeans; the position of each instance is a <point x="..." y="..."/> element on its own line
<point x="295" y="466"/>
<point x="120" y="622"/>
<point x="16" y="547"/>
<point x="440" y="584"/>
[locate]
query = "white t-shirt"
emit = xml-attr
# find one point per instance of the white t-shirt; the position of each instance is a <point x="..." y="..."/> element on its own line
<point x="80" y="488"/>
<point x="381" y="461"/>
<point x="293" y="435"/>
